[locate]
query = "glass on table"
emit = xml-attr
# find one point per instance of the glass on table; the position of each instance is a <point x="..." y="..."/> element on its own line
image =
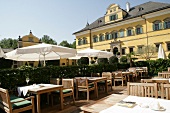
<point x="27" y="80"/>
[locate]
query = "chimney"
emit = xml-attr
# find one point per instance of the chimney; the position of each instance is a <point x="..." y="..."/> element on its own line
<point x="127" y="6"/>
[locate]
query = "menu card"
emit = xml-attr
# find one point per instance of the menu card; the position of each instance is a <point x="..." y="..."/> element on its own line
<point x="128" y="104"/>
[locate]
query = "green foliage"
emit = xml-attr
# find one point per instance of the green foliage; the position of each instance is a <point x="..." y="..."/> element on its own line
<point x="113" y="60"/>
<point x="123" y="66"/>
<point x="123" y="59"/>
<point x="64" y="43"/>
<point x="83" y="61"/>
<point x="169" y="55"/>
<point x="73" y="45"/>
<point x="5" y="63"/>
<point x="48" y="40"/>
<point x="8" y="43"/>
<point x="102" y="61"/>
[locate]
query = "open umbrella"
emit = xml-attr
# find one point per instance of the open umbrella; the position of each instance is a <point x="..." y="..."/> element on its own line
<point x="94" y="53"/>
<point x="161" y="52"/>
<point x="40" y="52"/>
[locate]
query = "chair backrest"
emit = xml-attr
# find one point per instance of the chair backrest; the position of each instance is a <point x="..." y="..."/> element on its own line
<point x="82" y="81"/>
<point x="146" y="81"/>
<point x="68" y="83"/>
<point x="5" y="100"/>
<point x="165" y="91"/>
<point x="108" y="75"/>
<point x="164" y="74"/>
<point x="117" y="74"/>
<point x="55" y="81"/>
<point x="132" y="69"/>
<point x="95" y="74"/>
<point x="142" y="89"/>
<point x="168" y="68"/>
<point x="145" y="69"/>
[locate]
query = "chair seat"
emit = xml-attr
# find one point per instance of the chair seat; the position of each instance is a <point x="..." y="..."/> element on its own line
<point x="64" y="91"/>
<point x="19" y="104"/>
<point x="103" y="82"/>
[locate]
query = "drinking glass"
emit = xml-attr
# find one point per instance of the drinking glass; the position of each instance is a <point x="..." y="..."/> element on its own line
<point x="27" y="80"/>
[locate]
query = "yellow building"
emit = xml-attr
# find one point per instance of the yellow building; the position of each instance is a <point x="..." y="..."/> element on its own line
<point x="128" y="30"/>
<point x="29" y="40"/>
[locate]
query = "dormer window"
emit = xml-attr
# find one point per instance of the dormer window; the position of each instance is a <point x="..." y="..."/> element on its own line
<point x="30" y="39"/>
<point x="110" y="11"/>
<point x="141" y="8"/>
<point x="113" y="17"/>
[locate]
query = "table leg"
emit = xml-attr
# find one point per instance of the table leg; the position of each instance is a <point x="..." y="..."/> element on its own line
<point x="61" y="98"/>
<point x="38" y="103"/>
<point x="96" y="88"/>
<point x="106" y="86"/>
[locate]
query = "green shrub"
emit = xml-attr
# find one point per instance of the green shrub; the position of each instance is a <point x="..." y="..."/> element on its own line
<point x="102" y="61"/>
<point x="83" y="61"/>
<point x="113" y="60"/>
<point x="123" y="59"/>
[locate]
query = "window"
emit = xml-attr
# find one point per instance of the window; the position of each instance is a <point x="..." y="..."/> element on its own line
<point x="108" y="36"/>
<point x="30" y="39"/>
<point x="79" y="41"/>
<point x="101" y="38"/>
<point x="139" y="30"/>
<point x="123" y="51"/>
<point x="84" y="40"/>
<point x="157" y="47"/>
<point x="168" y="46"/>
<point x="113" y="17"/>
<point x="130" y="49"/>
<point x="139" y="48"/>
<point x="167" y="23"/>
<point x="121" y="33"/>
<point x="114" y="35"/>
<point x="95" y="39"/>
<point x="129" y="31"/>
<point x="157" y="25"/>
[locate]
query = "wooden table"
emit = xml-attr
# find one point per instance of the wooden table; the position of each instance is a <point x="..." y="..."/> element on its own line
<point x="96" y="80"/>
<point x="127" y="74"/>
<point x="103" y="103"/>
<point x="46" y="89"/>
<point x="155" y="80"/>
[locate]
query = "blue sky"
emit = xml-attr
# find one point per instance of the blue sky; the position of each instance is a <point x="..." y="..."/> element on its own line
<point x="58" y="19"/>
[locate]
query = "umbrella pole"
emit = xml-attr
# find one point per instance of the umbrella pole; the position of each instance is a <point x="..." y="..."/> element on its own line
<point x="44" y="60"/>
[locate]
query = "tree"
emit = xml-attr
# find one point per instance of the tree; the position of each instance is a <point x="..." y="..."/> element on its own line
<point x="73" y="45"/>
<point x="147" y="52"/>
<point x="8" y="43"/>
<point x="48" y="40"/>
<point x="64" y="43"/>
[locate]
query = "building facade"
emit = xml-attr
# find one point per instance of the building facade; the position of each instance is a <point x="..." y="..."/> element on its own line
<point x="126" y="31"/>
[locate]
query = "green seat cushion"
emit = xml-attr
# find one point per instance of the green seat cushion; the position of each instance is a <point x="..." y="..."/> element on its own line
<point x="19" y="104"/>
<point x="64" y="91"/>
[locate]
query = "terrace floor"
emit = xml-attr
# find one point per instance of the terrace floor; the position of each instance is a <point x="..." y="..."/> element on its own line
<point x="70" y="108"/>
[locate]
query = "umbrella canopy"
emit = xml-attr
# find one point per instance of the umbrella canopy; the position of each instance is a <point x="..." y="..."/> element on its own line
<point x="94" y="53"/>
<point x="161" y="52"/>
<point x="1" y="53"/>
<point x="41" y="52"/>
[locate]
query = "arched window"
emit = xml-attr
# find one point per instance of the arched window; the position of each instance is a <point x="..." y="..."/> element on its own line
<point x="84" y="40"/>
<point x="157" y="25"/>
<point x="167" y="23"/>
<point x="121" y="33"/>
<point x="130" y="31"/>
<point x="79" y="41"/>
<point x="114" y="35"/>
<point x="101" y="37"/>
<point x="95" y="38"/>
<point x="139" y="29"/>
<point x="107" y="36"/>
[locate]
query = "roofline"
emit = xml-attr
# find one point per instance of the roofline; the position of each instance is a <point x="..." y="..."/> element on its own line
<point x="125" y="19"/>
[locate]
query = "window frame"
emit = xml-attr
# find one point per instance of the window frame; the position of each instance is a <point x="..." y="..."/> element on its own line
<point x="101" y="37"/>
<point x="157" y="25"/>
<point x="167" y="23"/>
<point x="121" y="31"/>
<point x="123" y="51"/>
<point x="168" y="45"/>
<point x="95" y="38"/>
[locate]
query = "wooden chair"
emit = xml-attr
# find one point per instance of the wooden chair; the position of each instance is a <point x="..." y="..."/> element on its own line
<point x="14" y="104"/>
<point x="68" y="89"/>
<point x="83" y="85"/>
<point x="165" y="91"/>
<point x="109" y="76"/>
<point x="117" y="76"/>
<point x="145" y="71"/>
<point x="142" y="89"/>
<point x="55" y="81"/>
<point x="134" y="73"/>
<point x="164" y="74"/>
<point x="169" y="69"/>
